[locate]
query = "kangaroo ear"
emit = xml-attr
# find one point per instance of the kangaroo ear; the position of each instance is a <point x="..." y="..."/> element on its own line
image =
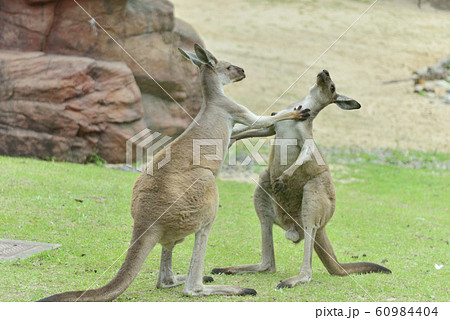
<point x="211" y="57"/>
<point x="190" y="56"/>
<point x="346" y="103"/>
<point x="205" y="56"/>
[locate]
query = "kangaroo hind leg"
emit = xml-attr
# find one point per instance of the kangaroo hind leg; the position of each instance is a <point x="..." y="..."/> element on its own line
<point x="166" y="278"/>
<point x="315" y="210"/>
<point x="194" y="285"/>
<point x="264" y="209"/>
<point x="305" y="274"/>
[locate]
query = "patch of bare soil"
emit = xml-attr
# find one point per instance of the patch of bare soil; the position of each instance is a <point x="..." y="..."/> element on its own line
<point x="276" y="42"/>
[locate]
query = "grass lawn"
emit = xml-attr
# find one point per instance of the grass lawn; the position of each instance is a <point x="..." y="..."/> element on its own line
<point x="384" y="213"/>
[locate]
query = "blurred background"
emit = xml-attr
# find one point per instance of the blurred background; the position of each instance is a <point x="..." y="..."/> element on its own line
<point x="68" y="91"/>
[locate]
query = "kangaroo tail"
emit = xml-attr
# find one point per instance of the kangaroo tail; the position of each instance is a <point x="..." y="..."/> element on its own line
<point x="141" y="245"/>
<point x="326" y="254"/>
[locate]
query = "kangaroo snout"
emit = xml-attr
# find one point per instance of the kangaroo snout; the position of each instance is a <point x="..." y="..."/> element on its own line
<point x="241" y="72"/>
<point x="323" y="76"/>
<point x="237" y="73"/>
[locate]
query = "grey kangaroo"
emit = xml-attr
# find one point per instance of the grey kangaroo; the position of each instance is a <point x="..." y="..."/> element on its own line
<point x="298" y="194"/>
<point x="181" y="197"/>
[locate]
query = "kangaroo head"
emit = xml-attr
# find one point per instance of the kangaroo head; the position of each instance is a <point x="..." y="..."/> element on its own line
<point x="323" y="93"/>
<point x="202" y="58"/>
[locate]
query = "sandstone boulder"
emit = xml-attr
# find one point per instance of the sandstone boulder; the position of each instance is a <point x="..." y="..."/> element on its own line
<point x="146" y="29"/>
<point x="66" y="107"/>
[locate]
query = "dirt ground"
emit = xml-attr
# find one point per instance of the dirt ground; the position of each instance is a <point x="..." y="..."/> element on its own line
<point x="275" y="41"/>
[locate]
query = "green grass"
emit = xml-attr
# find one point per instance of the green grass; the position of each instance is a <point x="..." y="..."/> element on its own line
<point x="384" y="212"/>
<point x="404" y="158"/>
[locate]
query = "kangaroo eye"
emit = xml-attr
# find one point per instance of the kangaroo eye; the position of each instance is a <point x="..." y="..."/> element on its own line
<point x="229" y="68"/>
<point x="332" y="88"/>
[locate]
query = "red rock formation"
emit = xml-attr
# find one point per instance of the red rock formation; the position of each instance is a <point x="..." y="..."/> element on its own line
<point x="66" y="107"/>
<point x="149" y="33"/>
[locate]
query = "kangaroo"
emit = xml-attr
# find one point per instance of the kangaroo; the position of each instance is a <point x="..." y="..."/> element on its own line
<point x="181" y="197"/>
<point x="298" y="195"/>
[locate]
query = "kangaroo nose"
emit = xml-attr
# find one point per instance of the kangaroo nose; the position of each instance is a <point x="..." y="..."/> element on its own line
<point x="242" y="70"/>
<point x="326" y="73"/>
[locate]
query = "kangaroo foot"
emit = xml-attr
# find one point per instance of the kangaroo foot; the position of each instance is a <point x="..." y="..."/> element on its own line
<point x="248" y="268"/>
<point x="179" y="280"/>
<point x="303" y="277"/>
<point x="218" y="290"/>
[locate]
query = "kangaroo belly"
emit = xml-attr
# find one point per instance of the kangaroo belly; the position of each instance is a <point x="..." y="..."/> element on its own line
<point x="288" y="211"/>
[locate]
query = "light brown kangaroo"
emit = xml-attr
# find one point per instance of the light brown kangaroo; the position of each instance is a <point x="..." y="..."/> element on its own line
<point x="181" y="197"/>
<point x="296" y="191"/>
